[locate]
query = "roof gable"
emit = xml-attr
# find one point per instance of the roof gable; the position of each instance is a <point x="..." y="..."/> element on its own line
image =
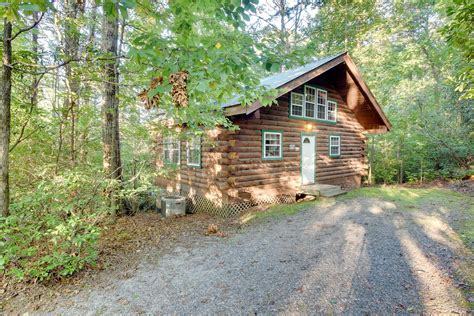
<point x="291" y="79"/>
<point x="280" y="79"/>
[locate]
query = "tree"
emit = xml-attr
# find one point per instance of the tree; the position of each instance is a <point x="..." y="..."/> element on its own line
<point x="5" y="101"/>
<point x="280" y="29"/>
<point x="10" y="13"/>
<point x="110" y="106"/>
<point x="73" y="11"/>
<point x="206" y="40"/>
<point x="459" y="33"/>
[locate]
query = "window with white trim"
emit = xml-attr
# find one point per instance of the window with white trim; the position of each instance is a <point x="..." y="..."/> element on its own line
<point x="332" y="109"/>
<point x="313" y="104"/>
<point x="297" y="104"/>
<point x="272" y="145"/>
<point x="334" y="146"/>
<point x="310" y="98"/>
<point x="322" y="101"/>
<point x="171" y="150"/>
<point x="193" y="151"/>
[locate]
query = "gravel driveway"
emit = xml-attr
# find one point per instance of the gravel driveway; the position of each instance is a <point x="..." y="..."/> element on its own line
<point x="358" y="256"/>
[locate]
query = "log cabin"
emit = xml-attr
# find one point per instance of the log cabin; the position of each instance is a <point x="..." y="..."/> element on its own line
<point x="311" y="141"/>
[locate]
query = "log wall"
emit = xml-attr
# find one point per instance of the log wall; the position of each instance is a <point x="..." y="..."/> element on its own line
<point x="249" y="175"/>
<point x="208" y="180"/>
<point x="232" y="167"/>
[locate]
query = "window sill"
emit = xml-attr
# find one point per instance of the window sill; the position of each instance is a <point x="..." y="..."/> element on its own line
<point x="276" y="158"/>
<point x="172" y="164"/>
<point x="194" y="166"/>
<point x="335" y="156"/>
<point x="311" y="119"/>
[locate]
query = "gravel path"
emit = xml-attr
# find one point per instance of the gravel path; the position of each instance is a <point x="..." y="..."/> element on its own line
<point x="359" y="256"/>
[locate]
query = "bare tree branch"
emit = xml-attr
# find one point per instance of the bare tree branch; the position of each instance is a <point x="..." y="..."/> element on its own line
<point x="35" y="23"/>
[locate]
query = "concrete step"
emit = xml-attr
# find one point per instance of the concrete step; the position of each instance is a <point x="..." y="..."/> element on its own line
<point x="325" y="190"/>
<point x="330" y="189"/>
<point x="333" y="193"/>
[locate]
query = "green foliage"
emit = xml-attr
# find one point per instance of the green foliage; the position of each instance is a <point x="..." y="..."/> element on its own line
<point x="205" y="39"/>
<point x="415" y="56"/>
<point x="53" y="231"/>
<point x="459" y="33"/>
<point x="410" y="69"/>
<point x="13" y="10"/>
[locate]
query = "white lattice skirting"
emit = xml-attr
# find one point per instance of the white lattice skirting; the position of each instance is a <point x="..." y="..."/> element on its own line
<point x="198" y="203"/>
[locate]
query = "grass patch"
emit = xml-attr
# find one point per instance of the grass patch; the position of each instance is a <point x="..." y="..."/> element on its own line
<point x="415" y="198"/>
<point x="409" y="198"/>
<point x="279" y="210"/>
<point x="467" y="232"/>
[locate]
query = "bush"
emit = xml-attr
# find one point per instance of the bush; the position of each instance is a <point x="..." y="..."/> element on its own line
<point x="53" y="231"/>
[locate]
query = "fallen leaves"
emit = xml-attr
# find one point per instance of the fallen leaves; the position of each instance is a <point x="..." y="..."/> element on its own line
<point x="144" y="232"/>
<point x="213" y="229"/>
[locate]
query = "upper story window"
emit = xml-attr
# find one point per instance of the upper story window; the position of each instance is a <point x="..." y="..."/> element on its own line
<point x="313" y="104"/>
<point x="322" y="103"/>
<point x="297" y="104"/>
<point x="272" y="145"/>
<point x="332" y="111"/>
<point x="171" y="150"/>
<point x="334" y="146"/>
<point x="193" y="151"/>
<point x="310" y="104"/>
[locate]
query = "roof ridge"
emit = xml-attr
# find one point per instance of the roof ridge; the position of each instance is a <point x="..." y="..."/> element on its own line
<point x="277" y="80"/>
<point x="315" y="60"/>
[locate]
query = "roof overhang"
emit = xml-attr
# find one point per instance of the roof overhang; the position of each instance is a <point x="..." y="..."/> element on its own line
<point x="343" y="58"/>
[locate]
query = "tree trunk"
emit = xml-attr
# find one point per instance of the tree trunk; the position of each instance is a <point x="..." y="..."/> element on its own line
<point x="73" y="9"/>
<point x="400" y="171"/>
<point x="5" y="99"/>
<point x="421" y="171"/>
<point x="110" y="117"/>
<point x="36" y="78"/>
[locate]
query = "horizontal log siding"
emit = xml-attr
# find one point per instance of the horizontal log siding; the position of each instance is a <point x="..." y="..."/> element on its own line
<point x="249" y="173"/>
<point x="207" y="180"/>
<point x="232" y="168"/>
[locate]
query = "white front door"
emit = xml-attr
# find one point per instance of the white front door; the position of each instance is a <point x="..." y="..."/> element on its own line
<point x="308" y="161"/>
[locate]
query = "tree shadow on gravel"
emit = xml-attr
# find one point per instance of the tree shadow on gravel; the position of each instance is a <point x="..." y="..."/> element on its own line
<point x="374" y="262"/>
<point x="363" y="268"/>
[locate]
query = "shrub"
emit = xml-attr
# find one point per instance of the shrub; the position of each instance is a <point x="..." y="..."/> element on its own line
<point x="53" y="231"/>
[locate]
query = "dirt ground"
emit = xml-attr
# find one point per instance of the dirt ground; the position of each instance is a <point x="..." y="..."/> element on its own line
<point x="123" y="246"/>
<point x="350" y="255"/>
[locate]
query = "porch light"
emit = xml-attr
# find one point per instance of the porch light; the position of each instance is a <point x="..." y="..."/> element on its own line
<point x="309" y="126"/>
